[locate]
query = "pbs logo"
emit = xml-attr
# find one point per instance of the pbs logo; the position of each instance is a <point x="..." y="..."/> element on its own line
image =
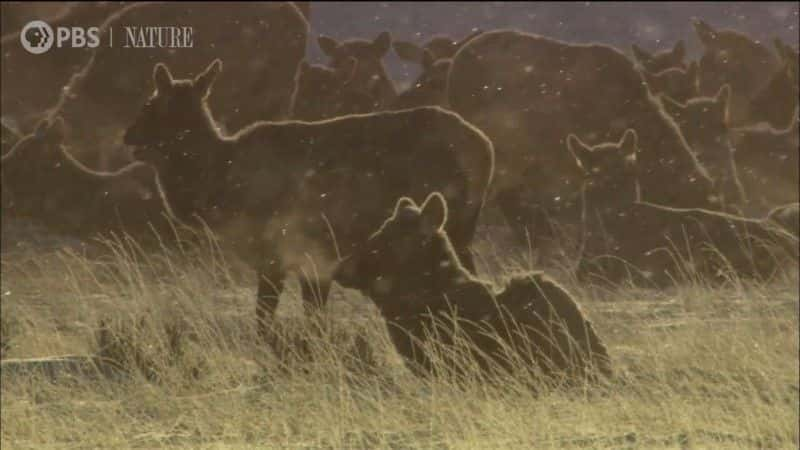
<point x="38" y="37"/>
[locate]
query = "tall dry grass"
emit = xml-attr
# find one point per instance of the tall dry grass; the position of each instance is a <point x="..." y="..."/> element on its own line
<point x="697" y="366"/>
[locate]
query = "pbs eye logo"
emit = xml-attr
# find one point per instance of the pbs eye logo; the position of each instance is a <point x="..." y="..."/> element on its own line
<point x="38" y="37"/>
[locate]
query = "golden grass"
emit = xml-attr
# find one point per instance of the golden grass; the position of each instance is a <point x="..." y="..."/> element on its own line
<point x="697" y="367"/>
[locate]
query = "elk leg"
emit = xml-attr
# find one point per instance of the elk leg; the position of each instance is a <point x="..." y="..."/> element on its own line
<point x="315" y="291"/>
<point x="270" y="286"/>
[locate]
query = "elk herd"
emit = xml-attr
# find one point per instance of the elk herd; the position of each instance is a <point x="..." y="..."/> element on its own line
<point x="296" y="165"/>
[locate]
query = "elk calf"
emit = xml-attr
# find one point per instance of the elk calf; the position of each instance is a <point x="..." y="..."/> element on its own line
<point x="323" y="93"/>
<point x="664" y="244"/>
<point x="411" y="272"/>
<point x="703" y="121"/>
<point x="434" y="58"/>
<point x="47" y="183"/>
<point x="371" y="74"/>
<point x="732" y="58"/>
<point x="528" y="92"/>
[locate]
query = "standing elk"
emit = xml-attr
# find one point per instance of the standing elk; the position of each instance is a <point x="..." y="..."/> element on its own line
<point x="528" y="92"/>
<point x="292" y="197"/>
<point x="734" y="59"/>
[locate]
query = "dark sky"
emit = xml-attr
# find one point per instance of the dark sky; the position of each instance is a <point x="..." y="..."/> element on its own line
<point x="652" y="25"/>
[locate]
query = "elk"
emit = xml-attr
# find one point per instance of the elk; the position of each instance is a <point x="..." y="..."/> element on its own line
<point x="411" y="271"/>
<point x="292" y="196"/>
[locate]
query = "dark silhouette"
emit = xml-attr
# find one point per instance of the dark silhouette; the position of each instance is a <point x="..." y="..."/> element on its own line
<point x="662" y="60"/>
<point x="528" y="92"/>
<point x="291" y="195"/>
<point x="371" y="74"/>
<point x="776" y="101"/>
<point x="435" y="57"/>
<point x="323" y="93"/>
<point x="704" y="124"/>
<point x="732" y="58"/>
<point x="768" y="165"/>
<point x="46" y="183"/>
<point x="262" y="43"/>
<point x="411" y="272"/>
<point x="657" y="245"/>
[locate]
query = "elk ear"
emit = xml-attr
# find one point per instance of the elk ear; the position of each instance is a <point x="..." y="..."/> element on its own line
<point x="405" y="202"/>
<point x="434" y="213"/>
<point x="162" y="77"/>
<point x="672" y="107"/>
<point x="381" y="44"/>
<point x="705" y="32"/>
<point x="679" y="50"/>
<point x="328" y="45"/>
<point x="581" y="152"/>
<point x="405" y="207"/>
<point x="629" y="144"/>
<point x="203" y="82"/>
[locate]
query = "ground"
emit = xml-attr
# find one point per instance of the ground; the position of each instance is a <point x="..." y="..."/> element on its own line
<point x="697" y="366"/>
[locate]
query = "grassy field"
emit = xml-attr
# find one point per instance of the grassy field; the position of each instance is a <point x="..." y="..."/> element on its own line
<point x="697" y="367"/>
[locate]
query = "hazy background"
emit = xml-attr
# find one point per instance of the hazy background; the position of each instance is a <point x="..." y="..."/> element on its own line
<point x="653" y="25"/>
